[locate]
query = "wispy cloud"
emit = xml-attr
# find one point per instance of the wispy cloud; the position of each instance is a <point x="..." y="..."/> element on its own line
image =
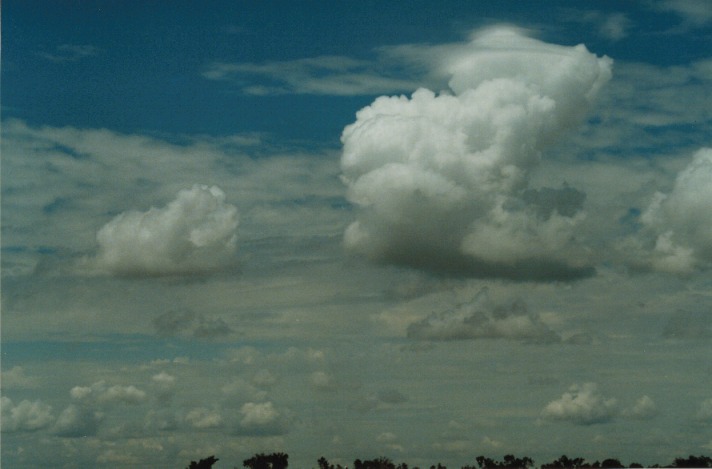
<point x="327" y="75"/>
<point x="70" y="53"/>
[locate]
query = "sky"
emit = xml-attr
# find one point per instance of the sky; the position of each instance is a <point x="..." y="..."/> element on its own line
<point x="420" y="230"/>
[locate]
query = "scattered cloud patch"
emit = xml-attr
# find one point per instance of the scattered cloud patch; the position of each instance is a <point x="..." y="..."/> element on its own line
<point x="70" y="53"/>
<point x="77" y="422"/>
<point x="195" y="233"/>
<point x="582" y="405"/>
<point x="643" y="409"/>
<point x="704" y="413"/>
<point x="102" y="394"/>
<point x="442" y="180"/>
<point x="692" y="12"/>
<point x="481" y="319"/>
<point x="261" y="419"/>
<point x="15" y="377"/>
<point x="202" y="418"/>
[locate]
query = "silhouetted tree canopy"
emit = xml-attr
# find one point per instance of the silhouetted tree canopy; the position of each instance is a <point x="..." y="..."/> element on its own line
<point x="206" y="463"/>
<point x="267" y="461"/>
<point x="692" y="461"/>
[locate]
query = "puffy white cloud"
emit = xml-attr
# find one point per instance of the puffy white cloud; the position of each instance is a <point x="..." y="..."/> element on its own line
<point x="261" y="419"/>
<point x="26" y="416"/>
<point x="196" y="232"/>
<point x="15" y="377"/>
<point x="583" y="405"/>
<point x="100" y="393"/>
<point x="644" y="408"/>
<point x="480" y="319"/>
<point x="442" y="179"/>
<point x="676" y="234"/>
<point x="202" y="418"/>
<point x="322" y="381"/>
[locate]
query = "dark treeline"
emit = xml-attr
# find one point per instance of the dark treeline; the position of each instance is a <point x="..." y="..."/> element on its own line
<point x="281" y="461"/>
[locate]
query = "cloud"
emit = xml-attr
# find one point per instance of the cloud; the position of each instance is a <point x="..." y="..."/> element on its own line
<point x="202" y="418"/>
<point x="100" y="393"/>
<point x="581" y="405"/>
<point x="643" y="409"/>
<point x="27" y="416"/>
<point x="188" y="323"/>
<point x="194" y="233"/>
<point x="442" y="180"/>
<point x="70" y="53"/>
<point x="704" y="413"/>
<point x="692" y="12"/>
<point x="261" y="419"/>
<point x="323" y="381"/>
<point x="689" y="325"/>
<point x="15" y="377"/>
<point x="480" y="319"/>
<point x="330" y="75"/>
<point x="676" y="234"/>
<point x="77" y="422"/>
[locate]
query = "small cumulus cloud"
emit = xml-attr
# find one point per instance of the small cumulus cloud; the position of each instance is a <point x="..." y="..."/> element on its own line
<point x="323" y="381"/>
<point x="261" y="419"/>
<point x="481" y="319"/>
<point x="692" y="12"/>
<point x="442" y="180"/>
<point x="195" y="233"/>
<point x="643" y="409"/>
<point x="187" y="323"/>
<point x="101" y="393"/>
<point x="26" y="416"/>
<point x="202" y="418"/>
<point x="582" y="405"/>
<point x="15" y="377"/>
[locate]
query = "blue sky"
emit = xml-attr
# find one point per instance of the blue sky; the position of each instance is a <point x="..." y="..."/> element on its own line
<point x="352" y="229"/>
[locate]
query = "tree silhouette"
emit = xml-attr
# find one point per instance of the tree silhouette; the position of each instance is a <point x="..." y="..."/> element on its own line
<point x="206" y="463"/>
<point x="378" y="463"/>
<point x="510" y="462"/>
<point x="692" y="461"/>
<point x="267" y="461"/>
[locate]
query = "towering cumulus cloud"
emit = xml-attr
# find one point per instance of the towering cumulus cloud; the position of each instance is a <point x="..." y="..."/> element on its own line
<point x="194" y="233"/>
<point x="442" y="180"/>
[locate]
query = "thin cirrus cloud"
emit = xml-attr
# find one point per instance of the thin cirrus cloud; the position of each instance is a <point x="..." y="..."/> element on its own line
<point x="442" y="180"/>
<point x="194" y="233"/>
<point x="329" y="75"/>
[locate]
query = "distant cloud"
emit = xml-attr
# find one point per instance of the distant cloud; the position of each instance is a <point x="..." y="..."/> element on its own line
<point x="704" y="413"/>
<point x="692" y="12"/>
<point x="329" y="75"/>
<point x="15" y="377"/>
<point x="583" y="405"/>
<point x="70" y="53"/>
<point x="189" y="323"/>
<point x="102" y="394"/>
<point x="442" y="180"/>
<point x="261" y="419"/>
<point x="611" y="26"/>
<point x="77" y="422"/>
<point x="201" y="418"/>
<point x="644" y="408"/>
<point x="480" y="319"/>
<point x="194" y="233"/>
<point x="27" y="416"/>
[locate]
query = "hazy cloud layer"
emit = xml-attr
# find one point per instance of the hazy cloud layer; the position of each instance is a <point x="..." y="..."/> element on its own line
<point x="442" y="179"/>
<point x="194" y="233"/>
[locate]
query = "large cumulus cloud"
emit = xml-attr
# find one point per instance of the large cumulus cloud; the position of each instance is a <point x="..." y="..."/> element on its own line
<point x="442" y="180"/>
<point x="196" y="232"/>
<point x="676" y="234"/>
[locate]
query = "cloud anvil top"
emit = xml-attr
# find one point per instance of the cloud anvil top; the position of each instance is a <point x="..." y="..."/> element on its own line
<point x="427" y="232"/>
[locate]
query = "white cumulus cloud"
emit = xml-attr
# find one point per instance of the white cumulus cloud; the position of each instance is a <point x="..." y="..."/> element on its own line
<point x="261" y="419"/>
<point x="26" y="416"/>
<point x="442" y="180"/>
<point x="196" y="232"/>
<point x="583" y="405"/>
<point x="676" y="234"/>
